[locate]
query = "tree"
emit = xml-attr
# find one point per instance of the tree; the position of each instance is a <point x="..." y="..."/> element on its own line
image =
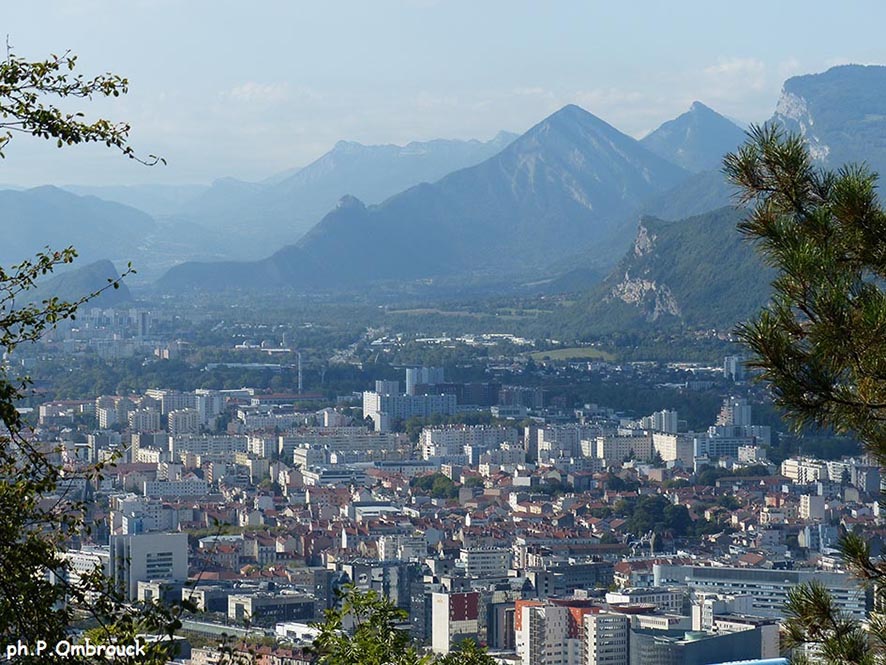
<point x="467" y="653"/>
<point x="30" y="90"/>
<point x="376" y="637"/>
<point x="39" y="599"/>
<point x="369" y="629"/>
<point x="820" y="344"/>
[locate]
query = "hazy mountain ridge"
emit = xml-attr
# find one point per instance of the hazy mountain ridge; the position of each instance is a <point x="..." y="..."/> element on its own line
<point x="558" y="186"/>
<point x="34" y="218"/>
<point x="571" y="181"/>
<point x="261" y="217"/>
<point x="155" y="200"/>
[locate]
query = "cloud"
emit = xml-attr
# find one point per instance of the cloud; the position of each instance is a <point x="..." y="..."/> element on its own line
<point x="743" y="73"/>
<point x="608" y="97"/>
<point x="254" y="92"/>
<point x="427" y="100"/>
<point x="530" y="91"/>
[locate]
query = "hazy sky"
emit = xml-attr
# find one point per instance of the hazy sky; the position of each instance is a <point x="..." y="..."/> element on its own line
<point x="246" y="89"/>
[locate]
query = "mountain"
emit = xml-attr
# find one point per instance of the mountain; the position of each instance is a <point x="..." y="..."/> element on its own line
<point x="260" y="216"/>
<point x="79" y="282"/>
<point x="557" y="187"/>
<point x="841" y="112"/>
<point x="696" y="140"/>
<point x="34" y="218"/>
<point x="698" y="271"/>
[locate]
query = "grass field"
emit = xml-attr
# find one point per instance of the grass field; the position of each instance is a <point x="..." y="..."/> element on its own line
<point x="573" y="353"/>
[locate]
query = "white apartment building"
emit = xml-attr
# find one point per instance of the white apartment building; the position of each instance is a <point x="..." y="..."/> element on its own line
<point x="804" y="471"/>
<point x="547" y="641"/>
<point x="144" y="420"/>
<point x="206" y="445"/>
<point x="768" y="588"/>
<point x="811" y="507"/>
<point x="187" y="487"/>
<point x="674" y="447"/>
<point x="385" y="408"/>
<point x="454" y="618"/>
<point x="606" y="638"/>
<point x="183" y="421"/>
<point x="613" y="450"/>
<point x="485" y="561"/>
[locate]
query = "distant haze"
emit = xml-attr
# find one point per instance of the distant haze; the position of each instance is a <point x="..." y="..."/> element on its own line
<point x="248" y="90"/>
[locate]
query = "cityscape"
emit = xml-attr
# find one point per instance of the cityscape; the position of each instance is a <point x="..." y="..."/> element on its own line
<point x="428" y="332"/>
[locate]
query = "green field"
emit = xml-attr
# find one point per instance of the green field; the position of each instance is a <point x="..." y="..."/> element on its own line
<point x="573" y="353"/>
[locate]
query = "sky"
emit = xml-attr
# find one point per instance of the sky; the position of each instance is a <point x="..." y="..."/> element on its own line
<point x="247" y="89"/>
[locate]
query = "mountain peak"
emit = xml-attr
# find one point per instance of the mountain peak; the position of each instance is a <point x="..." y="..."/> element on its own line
<point x="347" y="146"/>
<point x="570" y="113"/>
<point x="348" y="201"/>
<point x="696" y="139"/>
<point x="698" y="107"/>
<point x="571" y="121"/>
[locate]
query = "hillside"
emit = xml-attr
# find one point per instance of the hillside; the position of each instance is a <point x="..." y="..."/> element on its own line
<point x="76" y="283"/>
<point x="841" y="112"/>
<point x="33" y="218"/>
<point x="697" y="271"/>
<point x="561" y="185"/>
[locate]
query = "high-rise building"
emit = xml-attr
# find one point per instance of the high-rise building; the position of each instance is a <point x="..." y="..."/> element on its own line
<point x="547" y="636"/>
<point x="454" y="617"/>
<point x="146" y="557"/>
<point x="606" y="638"/>
<point x="735" y="411"/>
<point x="384" y="408"/>
<point x="183" y="421"/>
<point x="422" y="376"/>
<point x="661" y="421"/>
<point x="734" y="368"/>
<point x="485" y="561"/>
<point x="144" y="420"/>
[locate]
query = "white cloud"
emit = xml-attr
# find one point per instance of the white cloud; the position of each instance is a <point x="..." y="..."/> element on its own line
<point x="607" y="97"/>
<point x="252" y="92"/>
<point x="427" y="100"/>
<point x="743" y="73"/>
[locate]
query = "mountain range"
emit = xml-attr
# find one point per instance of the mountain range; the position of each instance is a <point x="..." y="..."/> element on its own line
<point x="257" y="218"/>
<point x="561" y="185"/>
<point x="560" y="203"/>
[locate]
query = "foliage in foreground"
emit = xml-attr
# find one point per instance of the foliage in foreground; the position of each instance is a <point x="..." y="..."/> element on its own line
<point x="40" y="600"/>
<point x="821" y="342"/>
<point x="370" y="630"/>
